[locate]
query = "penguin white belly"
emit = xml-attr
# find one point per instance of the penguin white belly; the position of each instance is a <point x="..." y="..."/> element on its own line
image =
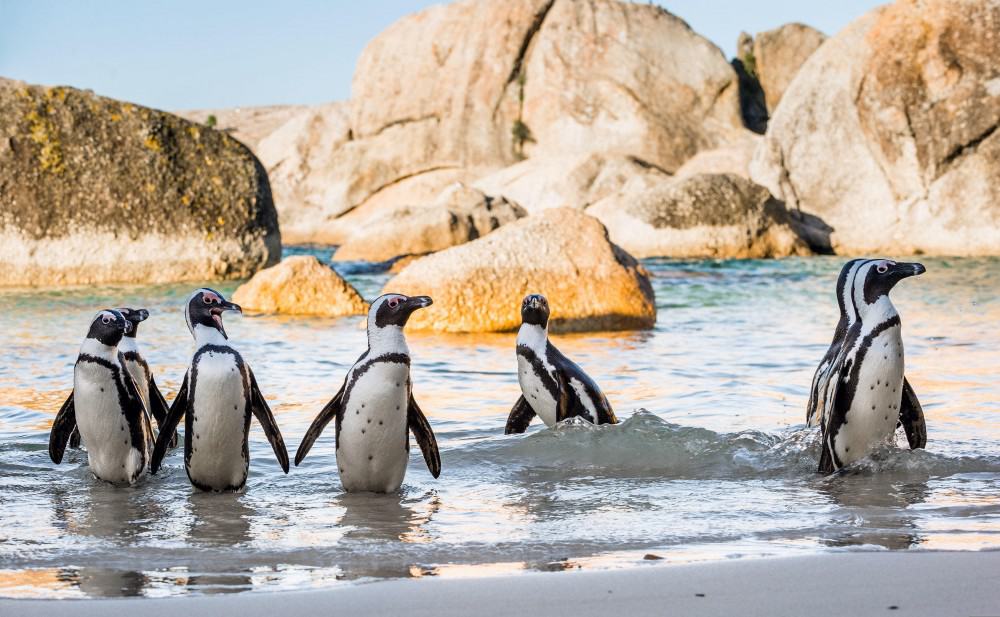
<point x="875" y="409"/>
<point x="103" y="427"/>
<point x="535" y="392"/>
<point x="373" y="451"/>
<point x="218" y="424"/>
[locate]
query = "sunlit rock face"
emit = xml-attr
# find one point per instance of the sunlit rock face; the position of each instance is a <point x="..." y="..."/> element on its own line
<point x="94" y="190"/>
<point x="704" y="216"/>
<point x="889" y="134"/>
<point x="300" y="285"/>
<point x="590" y="283"/>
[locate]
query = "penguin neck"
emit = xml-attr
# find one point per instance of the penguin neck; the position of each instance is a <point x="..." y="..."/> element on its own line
<point x="97" y="349"/>
<point x="873" y="314"/>
<point x="128" y="345"/>
<point x="533" y="336"/>
<point x="386" y="340"/>
<point x="204" y="335"/>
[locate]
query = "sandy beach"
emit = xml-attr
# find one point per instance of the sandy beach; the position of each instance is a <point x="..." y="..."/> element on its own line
<point x="959" y="583"/>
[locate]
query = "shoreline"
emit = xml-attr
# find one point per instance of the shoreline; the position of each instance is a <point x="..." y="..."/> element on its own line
<point x="835" y="584"/>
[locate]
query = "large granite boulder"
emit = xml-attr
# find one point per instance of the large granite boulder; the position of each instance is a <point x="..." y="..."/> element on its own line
<point x="479" y="84"/>
<point x="731" y="158"/>
<point x="569" y="181"/>
<point x="94" y="190"/>
<point x="889" y="132"/>
<point x="591" y="284"/>
<point x="300" y="158"/>
<point x="461" y="214"/>
<point x="701" y="216"/>
<point x="778" y="54"/>
<point x="300" y="285"/>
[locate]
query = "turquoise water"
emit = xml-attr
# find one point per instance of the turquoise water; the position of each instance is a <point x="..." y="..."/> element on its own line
<point x="712" y="460"/>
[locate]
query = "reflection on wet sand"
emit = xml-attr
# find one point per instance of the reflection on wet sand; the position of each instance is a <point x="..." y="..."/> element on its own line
<point x="878" y="509"/>
<point x="218" y="519"/>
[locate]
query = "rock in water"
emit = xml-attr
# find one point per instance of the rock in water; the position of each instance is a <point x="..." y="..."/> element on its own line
<point x="889" y="132"/>
<point x="778" y="55"/>
<point x="94" y="190"/>
<point x="590" y="283"/>
<point x="459" y="215"/>
<point x="703" y="216"/>
<point x="300" y="285"/>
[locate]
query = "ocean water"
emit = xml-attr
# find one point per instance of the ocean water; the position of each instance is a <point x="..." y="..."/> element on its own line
<point x="712" y="459"/>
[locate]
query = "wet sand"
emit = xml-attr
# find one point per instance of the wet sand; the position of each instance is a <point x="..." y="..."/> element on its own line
<point x="877" y="583"/>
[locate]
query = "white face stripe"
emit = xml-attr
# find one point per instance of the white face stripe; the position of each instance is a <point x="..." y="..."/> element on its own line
<point x="187" y="306"/>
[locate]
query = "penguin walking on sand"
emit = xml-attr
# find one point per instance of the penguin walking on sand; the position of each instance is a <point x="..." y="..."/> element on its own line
<point x="552" y="386"/>
<point x="866" y="395"/>
<point x="105" y="407"/>
<point x="374" y="409"/>
<point x="217" y="397"/>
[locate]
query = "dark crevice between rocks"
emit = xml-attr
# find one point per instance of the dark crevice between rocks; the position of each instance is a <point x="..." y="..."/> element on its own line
<point x="403" y="121"/>
<point x="964" y="149"/>
<point x="813" y="230"/>
<point x="517" y="68"/>
<point x="753" y="106"/>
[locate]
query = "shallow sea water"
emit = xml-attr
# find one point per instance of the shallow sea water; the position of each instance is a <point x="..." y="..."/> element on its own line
<point x="712" y="459"/>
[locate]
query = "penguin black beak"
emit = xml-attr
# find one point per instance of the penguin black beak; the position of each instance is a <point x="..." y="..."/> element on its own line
<point x="905" y="270"/>
<point x="418" y="302"/>
<point x="140" y="315"/>
<point x="225" y="307"/>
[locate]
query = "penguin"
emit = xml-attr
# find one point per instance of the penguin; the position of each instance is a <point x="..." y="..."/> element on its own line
<point x="867" y="394"/>
<point x="105" y="406"/>
<point x="138" y="368"/>
<point x="552" y="385"/>
<point x="848" y="316"/>
<point x="375" y="410"/>
<point x="217" y="397"/>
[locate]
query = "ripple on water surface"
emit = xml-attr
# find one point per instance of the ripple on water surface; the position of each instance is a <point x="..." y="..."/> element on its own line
<point x="711" y="461"/>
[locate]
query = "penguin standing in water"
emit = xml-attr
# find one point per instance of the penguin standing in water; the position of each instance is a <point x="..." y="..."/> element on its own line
<point x="217" y="397"/>
<point x="817" y="392"/>
<point x="139" y="369"/>
<point x="105" y="407"/>
<point x="552" y="386"/>
<point x="375" y="410"/>
<point x="866" y="394"/>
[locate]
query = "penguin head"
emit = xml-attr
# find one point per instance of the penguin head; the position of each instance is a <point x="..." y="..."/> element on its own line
<point x="395" y="309"/>
<point x="134" y="317"/>
<point x="108" y="327"/>
<point x="875" y="278"/>
<point x="205" y="308"/>
<point x="535" y="310"/>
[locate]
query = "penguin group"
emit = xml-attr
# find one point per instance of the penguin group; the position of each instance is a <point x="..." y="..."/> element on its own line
<point x="858" y="397"/>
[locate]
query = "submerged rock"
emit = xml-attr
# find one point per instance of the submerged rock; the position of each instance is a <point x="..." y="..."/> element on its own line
<point x="889" y="132"/>
<point x="703" y="216"/>
<point x="590" y="283"/>
<point x="94" y="190"/>
<point x="459" y="215"/>
<point x="300" y="285"/>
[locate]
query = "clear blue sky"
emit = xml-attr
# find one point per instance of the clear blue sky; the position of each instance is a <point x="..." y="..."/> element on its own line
<point x="185" y="54"/>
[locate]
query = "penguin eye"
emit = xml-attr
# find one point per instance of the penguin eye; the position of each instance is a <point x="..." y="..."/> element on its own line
<point x="882" y="268"/>
<point x="207" y="299"/>
<point x="393" y="302"/>
<point x="106" y="320"/>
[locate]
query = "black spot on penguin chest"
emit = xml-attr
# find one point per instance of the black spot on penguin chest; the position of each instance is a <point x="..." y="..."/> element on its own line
<point x="356" y="407"/>
<point x="541" y="372"/>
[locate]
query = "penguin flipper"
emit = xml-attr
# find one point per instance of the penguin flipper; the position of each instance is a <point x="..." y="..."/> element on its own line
<point x="911" y="416"/>
<point x="62" y="428"/>
<point x="169" y="426"/>
<point x="520" y="417"/>
<point x="158" y="408"/>
<point x="330" y="411"/>
<point x="834" y="412"/>
<point x="263" y="413"/>
<point x="421" y="430"/>
<point x="136" y="412"/>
